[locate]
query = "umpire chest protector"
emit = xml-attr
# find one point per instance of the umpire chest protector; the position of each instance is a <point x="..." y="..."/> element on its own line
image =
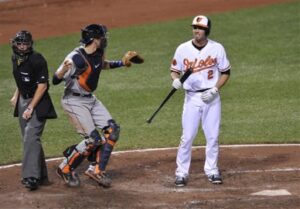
<point x="88" y="68"/>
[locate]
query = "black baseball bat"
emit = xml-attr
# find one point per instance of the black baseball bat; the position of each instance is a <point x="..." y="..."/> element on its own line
<point x="182" y="79"/>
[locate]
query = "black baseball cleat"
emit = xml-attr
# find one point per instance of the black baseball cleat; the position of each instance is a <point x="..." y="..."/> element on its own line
<point x="215" y="179"/>
<point x="30" y="183"/>
<point x="180" y="181"/>
<point x="71" y="178"/>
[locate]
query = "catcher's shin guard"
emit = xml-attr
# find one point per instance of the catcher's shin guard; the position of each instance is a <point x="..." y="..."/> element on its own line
<point x="74" y="155"/>
<point x="111" y="133"/>
<point x="98" y="141"/>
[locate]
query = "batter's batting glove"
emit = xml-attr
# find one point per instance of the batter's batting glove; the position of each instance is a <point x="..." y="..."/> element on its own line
<point x="131" y="57"/>
<point x="209" y="95"/>
<point x="176" y="83"/>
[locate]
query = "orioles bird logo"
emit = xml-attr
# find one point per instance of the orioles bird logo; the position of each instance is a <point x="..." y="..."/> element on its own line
<point x="199" y="19"/>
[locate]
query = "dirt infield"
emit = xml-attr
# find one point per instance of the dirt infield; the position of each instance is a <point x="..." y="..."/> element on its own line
<point x="145" y="179"/>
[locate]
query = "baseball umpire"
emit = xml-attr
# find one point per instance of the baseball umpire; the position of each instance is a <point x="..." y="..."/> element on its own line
<point x="33" y="106"/>
<point x="81" y="72"/>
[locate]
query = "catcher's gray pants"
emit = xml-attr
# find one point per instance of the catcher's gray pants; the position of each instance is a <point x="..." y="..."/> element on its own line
<point x="86" y="114"/>
<point x="33" y="162"/>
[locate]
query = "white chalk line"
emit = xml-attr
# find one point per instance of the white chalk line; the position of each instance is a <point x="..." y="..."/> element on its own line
<point x="215" y="189"/>
<point x="266" y="170"/>
<point x="174" y="148"/>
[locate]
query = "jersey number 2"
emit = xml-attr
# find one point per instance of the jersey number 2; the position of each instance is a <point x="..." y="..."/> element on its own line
<point x="210" y="74"/>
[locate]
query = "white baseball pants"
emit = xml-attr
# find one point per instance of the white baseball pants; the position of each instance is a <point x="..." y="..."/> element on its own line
<point x="194" y="112"/>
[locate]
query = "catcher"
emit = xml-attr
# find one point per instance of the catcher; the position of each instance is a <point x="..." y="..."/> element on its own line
<point x="81" y="72"/>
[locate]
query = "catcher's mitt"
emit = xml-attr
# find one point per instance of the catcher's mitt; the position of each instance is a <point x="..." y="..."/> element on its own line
<point x="132" y="57"/>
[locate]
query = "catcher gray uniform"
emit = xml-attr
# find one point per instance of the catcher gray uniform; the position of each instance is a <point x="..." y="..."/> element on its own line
<point x="81" y="72"/>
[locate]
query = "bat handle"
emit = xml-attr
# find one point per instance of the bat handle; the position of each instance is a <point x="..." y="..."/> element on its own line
<point x="182" y="79"/>
<point x="186" y="75"/>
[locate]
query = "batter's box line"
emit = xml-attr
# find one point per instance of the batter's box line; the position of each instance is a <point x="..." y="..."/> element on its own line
<point x="263" y="170"/>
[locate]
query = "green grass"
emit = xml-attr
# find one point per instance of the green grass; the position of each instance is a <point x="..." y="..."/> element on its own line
<point x="260" y="103"/>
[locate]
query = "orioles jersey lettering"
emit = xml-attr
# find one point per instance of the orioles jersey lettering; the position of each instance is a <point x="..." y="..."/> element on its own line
<point x="201" y="64"/>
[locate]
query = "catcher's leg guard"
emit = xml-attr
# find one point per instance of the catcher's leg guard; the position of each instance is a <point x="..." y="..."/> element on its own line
<point x="94" y="172"/>
<point x="111" y="134"/>
<point x="98" y="141"/>
<point x="100" y="155"/>
<point x="74" y="155"/>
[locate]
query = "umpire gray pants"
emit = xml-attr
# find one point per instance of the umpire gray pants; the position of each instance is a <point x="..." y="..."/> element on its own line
<point x="33" y="162"/>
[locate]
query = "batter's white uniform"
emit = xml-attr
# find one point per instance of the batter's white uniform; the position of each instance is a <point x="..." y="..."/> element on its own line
<point x="207" y="64"/>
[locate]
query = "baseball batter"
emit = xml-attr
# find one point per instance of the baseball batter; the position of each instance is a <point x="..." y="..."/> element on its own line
<point x="202" y="104"/>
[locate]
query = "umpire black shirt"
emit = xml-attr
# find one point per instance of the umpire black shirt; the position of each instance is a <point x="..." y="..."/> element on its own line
<point x="30" y="73"/>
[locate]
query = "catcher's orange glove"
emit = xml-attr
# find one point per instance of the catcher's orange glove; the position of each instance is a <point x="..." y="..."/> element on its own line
<point x="131" y="57"/>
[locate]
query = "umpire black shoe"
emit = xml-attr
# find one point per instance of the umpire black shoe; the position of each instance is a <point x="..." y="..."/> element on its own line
<point x="30" y="183"/>
<point x="180" y="181"/>
<point x="215" y="179"/>
<point x="44" y="182"/>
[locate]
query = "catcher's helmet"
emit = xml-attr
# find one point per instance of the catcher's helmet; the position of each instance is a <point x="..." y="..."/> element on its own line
<point x="22" y="37"/>
<point x="94" y="31"/>
<point x="202" y="22"/>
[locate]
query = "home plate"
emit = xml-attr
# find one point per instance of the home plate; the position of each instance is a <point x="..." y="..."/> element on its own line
<point x="278" y="192"/>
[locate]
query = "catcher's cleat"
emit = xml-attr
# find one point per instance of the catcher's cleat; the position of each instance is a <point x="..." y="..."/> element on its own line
<point x="215" y="179"/>
<point x="180" y="181"/>
<point x="102" y="178"/>
<point x="71" y="178"/>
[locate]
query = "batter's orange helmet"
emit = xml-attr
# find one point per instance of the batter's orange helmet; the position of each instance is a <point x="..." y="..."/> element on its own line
<point x="202" y="22"/>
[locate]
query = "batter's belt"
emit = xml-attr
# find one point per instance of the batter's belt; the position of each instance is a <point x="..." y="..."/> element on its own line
<point x="201" y="90"/>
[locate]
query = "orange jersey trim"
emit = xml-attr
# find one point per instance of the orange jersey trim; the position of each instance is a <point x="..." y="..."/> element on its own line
<point x="82" y="78"/>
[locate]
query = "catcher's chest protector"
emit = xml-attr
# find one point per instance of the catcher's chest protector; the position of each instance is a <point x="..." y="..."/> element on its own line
<point x="88" y="79"/>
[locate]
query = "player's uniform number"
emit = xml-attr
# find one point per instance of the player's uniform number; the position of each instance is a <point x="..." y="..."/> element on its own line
<point x="210" y="74"/>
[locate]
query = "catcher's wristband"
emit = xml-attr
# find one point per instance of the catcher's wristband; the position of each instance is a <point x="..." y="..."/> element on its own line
<point x="115" y="64"/>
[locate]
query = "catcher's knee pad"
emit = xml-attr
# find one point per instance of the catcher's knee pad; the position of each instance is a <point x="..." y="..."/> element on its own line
<point x="95" y="135"/>
<point x="111" y="133"/>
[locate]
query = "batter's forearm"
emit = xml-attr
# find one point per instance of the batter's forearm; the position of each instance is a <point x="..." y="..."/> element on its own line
<point x="222" y="81"/>
<point x="175" y="75"/>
